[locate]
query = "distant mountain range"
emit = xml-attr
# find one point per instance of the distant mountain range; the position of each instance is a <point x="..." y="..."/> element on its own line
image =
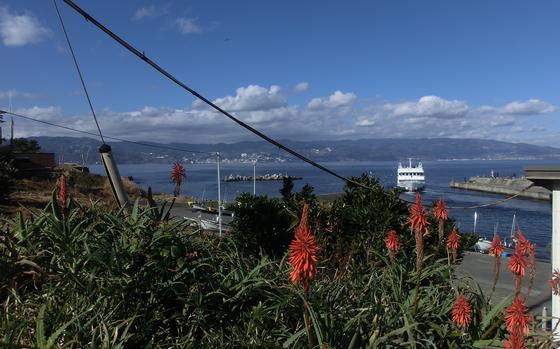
<point x="85" y="150"/>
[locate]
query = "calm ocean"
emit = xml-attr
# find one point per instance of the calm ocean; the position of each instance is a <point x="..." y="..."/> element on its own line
<point x="533" y="216"/>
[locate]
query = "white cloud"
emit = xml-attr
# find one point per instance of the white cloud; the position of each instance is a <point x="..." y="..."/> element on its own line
<point x="188" y="25"/>
<point x="337" y="99"/>
<point x="20" y="30"/>
<point x="252" y="97"/>
<point x="17" y="95"/>
<point x="148" y="12"/>
<point x="429" y="106"/>
<point x="335" y="117"/>
<point x="365" y="122"/>
<point x="301" y="87"/>
<point x="529" y="107"/>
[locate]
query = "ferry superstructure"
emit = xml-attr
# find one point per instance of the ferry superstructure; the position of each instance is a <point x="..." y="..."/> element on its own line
<point x="411" y="178"/>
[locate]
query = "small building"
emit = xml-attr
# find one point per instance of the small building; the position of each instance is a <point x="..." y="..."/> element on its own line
<point x="34" y="164"/>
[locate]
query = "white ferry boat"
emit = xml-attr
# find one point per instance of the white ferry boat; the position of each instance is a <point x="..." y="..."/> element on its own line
<point x="411" y="178"/>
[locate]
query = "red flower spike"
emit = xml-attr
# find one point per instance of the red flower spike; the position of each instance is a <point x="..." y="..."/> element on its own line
<point x="517" y="262"/>
<point x="62" y="192"/>
<point x="453" y="241"/>
<point x="440" y="211"/>
<point x="522" y="242"/>
<point x="497" y="248"/>
<point x="516" y="318"/>
<point x="417" y="220"/>
<point x="555" y="282"/>
<point x="178" y="175"/>
<point x="303" y="253"/>
<point x="461" y="313"/>
<point x="515" y="341"/>
<point x="392" y="242"/>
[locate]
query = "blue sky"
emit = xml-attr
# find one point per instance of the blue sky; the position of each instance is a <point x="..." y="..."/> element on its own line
<point x="299" y="70"/>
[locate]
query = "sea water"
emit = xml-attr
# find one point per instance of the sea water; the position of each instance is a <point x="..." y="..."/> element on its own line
<point x="532" y="216"/>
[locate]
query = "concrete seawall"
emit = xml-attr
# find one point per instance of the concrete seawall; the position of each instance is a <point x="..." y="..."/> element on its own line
<point x="504" y="186"/>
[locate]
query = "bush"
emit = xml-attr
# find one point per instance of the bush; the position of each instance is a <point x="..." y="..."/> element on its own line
<point x="261" y="225"/>
<point x="7" y="173"/>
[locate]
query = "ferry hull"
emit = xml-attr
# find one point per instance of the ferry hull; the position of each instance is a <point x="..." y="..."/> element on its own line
<point x="411" y="186"/>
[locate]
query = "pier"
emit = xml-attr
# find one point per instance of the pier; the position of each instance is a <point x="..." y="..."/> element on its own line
<point x="503" y="186"/>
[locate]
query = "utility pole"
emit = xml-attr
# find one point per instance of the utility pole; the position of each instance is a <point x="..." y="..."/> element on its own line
<point x="1" y="122"/>
<point x="12" y="131"/>
<point x="254" y="177"/>
<point x="219" y="195"/>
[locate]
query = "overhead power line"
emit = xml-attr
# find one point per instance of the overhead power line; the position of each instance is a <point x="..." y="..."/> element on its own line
<point x="79" y="71"/>
<point x="160" y="146"/>
<point x="157" y="67"/>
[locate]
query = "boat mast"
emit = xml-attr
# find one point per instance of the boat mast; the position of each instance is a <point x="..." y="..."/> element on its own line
<point x="511" y="235"/>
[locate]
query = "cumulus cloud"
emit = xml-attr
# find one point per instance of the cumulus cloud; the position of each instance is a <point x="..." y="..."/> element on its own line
<point x="253" y="97"/>
<point x="529" y="107"/>
<point x="268" y="110"/>
<point x="188" y="25"/>
<point x="337" y="99"/>
<point x="20" y="30"/>
<point x="301" y="87"/>
<point x="429" y="106"/>
<point x="148" y="12"/>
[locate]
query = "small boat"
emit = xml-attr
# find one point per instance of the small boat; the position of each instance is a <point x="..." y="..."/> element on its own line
<point x="411" y="178"/>
<point x="482" y="245"/>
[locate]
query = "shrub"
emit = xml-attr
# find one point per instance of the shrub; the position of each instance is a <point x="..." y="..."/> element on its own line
<point x="261" y="225"/>
<point x="7" y="173"/>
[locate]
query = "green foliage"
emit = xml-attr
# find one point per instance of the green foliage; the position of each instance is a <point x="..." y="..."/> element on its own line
<point x="287" y="187"/>
<point x="84" y="181"/>
<point x="24" y="145"/>
<point x="261" y="225"/>
<point x="7" y="173"/>
<point x="79" y="277"/>
<point x="468" y="240"/>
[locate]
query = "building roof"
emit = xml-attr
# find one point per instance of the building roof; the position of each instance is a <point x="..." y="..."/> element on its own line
<point x="543" y="175"/>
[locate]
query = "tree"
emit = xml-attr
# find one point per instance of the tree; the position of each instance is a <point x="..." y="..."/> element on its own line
<point x="24" y="145"/>
<point x="287" y="186"/>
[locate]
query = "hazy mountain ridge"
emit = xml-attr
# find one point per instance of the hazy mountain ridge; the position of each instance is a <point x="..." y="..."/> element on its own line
<point x="80" y="150"/>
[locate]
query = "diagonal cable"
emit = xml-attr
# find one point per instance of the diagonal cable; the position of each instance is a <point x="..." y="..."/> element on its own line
<point x="79" y="72"/>
<point x="157" y="67"/>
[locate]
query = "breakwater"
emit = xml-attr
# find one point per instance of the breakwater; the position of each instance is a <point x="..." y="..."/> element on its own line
<point x="503" y="185"/>
<point x="266" y="177"/>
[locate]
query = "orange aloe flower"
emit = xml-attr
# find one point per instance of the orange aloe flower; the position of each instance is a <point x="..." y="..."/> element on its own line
<point x="497" y="248"/>
<point x="303" y="253"/>
<point x="62" y="191"/>
<point x="522" y="242"/>
<point x="515" y="341"/>
<point x="453" y="242"/>
<point x="392" y="242"/>
<point x="516" y="318"/>
<point x="517" y="263"/>
<point x="417" y="219"/>
<point x="461" y="313"/>
<point x="440" y="211"/>
<point x="555" y="282"/>
<point x="177" y="176"/>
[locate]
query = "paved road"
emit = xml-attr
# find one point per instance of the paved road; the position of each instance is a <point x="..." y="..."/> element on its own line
<point x="181" y="210"/>
<point x="480" y="267"/>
